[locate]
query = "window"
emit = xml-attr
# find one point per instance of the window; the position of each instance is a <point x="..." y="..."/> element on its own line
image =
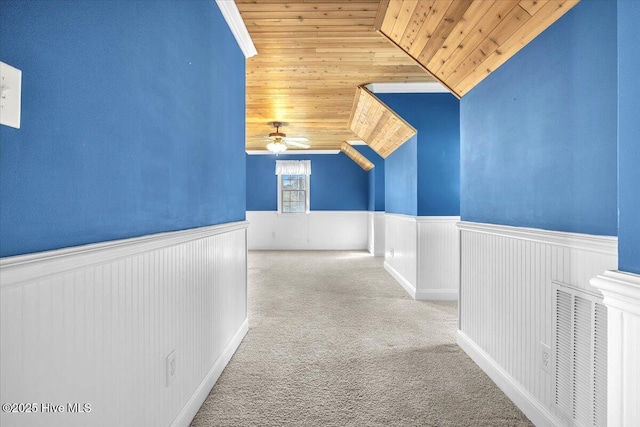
<point x="293" y="185"/>
<point x="294" y="193"/>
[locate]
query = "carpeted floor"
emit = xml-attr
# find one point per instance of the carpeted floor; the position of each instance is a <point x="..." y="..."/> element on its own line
<point x="335" y="341"/>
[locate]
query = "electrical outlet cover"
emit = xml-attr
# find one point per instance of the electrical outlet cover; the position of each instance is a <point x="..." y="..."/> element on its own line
<point x="545" y="357"/>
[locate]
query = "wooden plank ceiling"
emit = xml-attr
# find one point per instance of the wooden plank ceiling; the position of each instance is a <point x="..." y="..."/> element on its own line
<point x="378" y="125"/>
<point x="461" y="42"/>
<point x="313" y="54"/>
<point x="355" y="155"/>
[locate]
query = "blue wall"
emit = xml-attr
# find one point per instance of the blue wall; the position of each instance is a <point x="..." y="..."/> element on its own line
<point x="436" y="117"/>
<point x="401" y="179"/>
<point x="132" y="122"/>
<point x="538" y="136"/>
<point x="628" y="134"/>
<point x="376" y="178"/>
<point x="337" y="183"/>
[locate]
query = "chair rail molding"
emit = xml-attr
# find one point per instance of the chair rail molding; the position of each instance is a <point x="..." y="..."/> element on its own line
<point x="621" y="293"/>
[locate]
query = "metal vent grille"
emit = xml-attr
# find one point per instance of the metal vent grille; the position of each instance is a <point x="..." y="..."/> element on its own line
<point x="580" y="352"/>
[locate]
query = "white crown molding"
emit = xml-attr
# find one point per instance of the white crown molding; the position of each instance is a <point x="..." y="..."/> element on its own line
<point x="607" y="245"/>
<point x="291" y="153"/>
<point x="426" y="87"/>
<point x="231" y="14"/>
<point x="356" y="142"/>
<point x="21" y="268"/>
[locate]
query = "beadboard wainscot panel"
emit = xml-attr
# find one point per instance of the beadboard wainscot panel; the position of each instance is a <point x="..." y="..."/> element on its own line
<point x="621" y="292"/>
<point x="376" y="233"/>
<point x="438" y="258"/>
<point x="94" y="324"/>
<point x="401" y="250"/>
<point x="316" y="230"/>
<point x="506" y="303"/>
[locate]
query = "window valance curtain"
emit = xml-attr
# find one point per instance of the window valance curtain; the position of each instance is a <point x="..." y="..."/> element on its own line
<point x="293" y="167"/>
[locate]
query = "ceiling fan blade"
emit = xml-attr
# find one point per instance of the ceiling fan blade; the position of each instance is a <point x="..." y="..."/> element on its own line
<point x="297" y="144"/>
<point x="298" y="139"/>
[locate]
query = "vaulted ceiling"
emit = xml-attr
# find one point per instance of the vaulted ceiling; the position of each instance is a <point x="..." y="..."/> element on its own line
<point x="313" y="54"/>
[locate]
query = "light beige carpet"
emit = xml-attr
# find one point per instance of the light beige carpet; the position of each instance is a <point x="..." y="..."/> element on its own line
<point x="335" y="341"/>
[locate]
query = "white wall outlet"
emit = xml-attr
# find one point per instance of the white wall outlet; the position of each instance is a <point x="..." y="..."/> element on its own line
<point x="545" y="357"/>
<point x="391" y="253"/>
<point x="171" y="367"/>
<point x="10" y="95"/>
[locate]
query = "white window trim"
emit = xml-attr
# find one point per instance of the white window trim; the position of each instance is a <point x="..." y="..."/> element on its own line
<point x="307" y="203"/>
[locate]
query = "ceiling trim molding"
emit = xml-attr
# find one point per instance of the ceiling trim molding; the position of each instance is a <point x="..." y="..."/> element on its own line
<point x="291" y="152"/>
<point x="231" y="14"/>
<point x="407" y="87"/>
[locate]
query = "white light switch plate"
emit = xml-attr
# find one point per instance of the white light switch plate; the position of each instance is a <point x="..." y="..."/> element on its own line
<point x="10" y="94"/>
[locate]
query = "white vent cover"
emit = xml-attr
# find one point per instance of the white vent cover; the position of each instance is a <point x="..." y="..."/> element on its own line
<point x="580" y="353"/>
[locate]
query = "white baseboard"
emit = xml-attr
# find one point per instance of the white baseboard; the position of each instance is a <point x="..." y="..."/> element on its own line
<point x="437" y="295"/>
<point x="527" y="403"/>
<point x="411" y="290"/>
<point x="186" y="415"/>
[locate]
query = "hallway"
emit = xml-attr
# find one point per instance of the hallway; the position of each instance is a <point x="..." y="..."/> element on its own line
<point x="335" y="341"/>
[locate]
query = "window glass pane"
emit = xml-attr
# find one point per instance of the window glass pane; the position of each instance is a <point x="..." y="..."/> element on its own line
<point x="294" y="193"/>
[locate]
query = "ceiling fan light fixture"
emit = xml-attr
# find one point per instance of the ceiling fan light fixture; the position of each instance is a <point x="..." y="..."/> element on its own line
<point x="277" y="146"/>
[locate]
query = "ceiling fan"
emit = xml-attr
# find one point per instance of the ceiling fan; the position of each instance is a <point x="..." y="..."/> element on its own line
<point x="280" y="141"/>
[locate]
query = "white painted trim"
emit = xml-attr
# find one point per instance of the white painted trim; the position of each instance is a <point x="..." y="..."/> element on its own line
<point x="403" y="217"/>
<point x="607" y="245"/>
<point x="408" y="87"/>
<point x="22" y="268"/>
<point x="437" y="295"/>
<point x="232" y="16"/>
<point x="620" y="289"/>
<point x="379" y="235"/>
<point x="528" y="404"/>
<point x="621" y="292"/>
<point x="431" y="219"/>
<point x="291" y="153"/>
<point x="411" y="290"/>
<point x="316" y="230"/>
<point x="189" y="411"/>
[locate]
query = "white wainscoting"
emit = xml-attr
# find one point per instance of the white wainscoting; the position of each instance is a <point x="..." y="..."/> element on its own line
<point x="506" y="303"/>
<point x="316" y="230"/>
<point x="95" y="324"/>
<point x="438" y="258"/>
<point x="401" y="250"/>
<point x="376" y="233"/>
<point x="423" y="255"/>
<point x="621" y="292"/>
